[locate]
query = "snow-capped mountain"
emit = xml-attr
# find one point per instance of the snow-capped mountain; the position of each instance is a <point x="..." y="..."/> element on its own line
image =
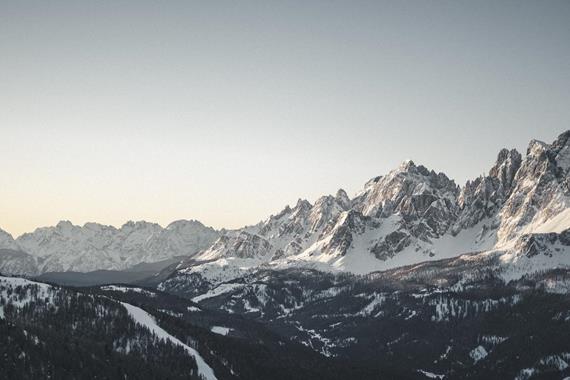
<point x="414" y="277"/>
<point x="410" y="215"/>
<point x="67" y="247"/>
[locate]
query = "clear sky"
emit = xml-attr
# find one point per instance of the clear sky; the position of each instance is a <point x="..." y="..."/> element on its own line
<point x="227" y="111"/>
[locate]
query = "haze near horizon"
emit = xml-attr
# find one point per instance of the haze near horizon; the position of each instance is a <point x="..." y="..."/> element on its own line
<point x="226" y="112"/>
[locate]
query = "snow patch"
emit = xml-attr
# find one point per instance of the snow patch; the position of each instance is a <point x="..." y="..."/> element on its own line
<point x="220" y="289"/>
<point x="430" y="375"/>
<point x="144" y="319"/>
<point x="220" y="330"/>
<point x="478" y="353"/>
<point x="125" y="289"/>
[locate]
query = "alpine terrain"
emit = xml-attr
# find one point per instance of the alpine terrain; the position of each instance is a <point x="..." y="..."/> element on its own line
<point x="413" y="277"/>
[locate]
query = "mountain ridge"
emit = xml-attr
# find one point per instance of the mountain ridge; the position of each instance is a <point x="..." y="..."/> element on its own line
<point x="408" y="215"/>
<point x="94" y="246"/>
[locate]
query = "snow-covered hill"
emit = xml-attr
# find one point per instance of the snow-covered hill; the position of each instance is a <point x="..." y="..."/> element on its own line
<point x="67" y="247"/>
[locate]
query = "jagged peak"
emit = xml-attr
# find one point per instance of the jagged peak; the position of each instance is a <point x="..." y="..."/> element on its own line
<point x="505" y="168"/>
<point x="407" y="165"/>
<point x="342" y="198"/>
<point x="283" y="212"/>
<point x="303" y="204"/>
<point x="544" y="158"/>
<point x="373" y="180"/>
<point x="139" y="224"/>
<point x="506" y="154"/>
<point x="563" y="140"/>
<point x="5" y="235"/>
<point x="370" y="184"/>
<point x="536" y="148"/>
<point x="324" y="199"/>
<point x="341" y="194"/>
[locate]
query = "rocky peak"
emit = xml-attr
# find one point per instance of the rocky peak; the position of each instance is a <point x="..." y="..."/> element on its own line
<point x="285" y="211"/>
<point x="536" y="148"/>
<point x="561" y="152"/>
<point x="327" y="209"/>
<point x="506" y="167"/>
<point x="6" y="240"/>
<point x="541" y="188"/>
<point x="342" y="198"/>
<point x="371" y="182"/>
<point x="409" y="190"/>
<point x="138" y="225"/>
<point x="483" y="197"/>
<point x="242" y="245"/>
<point x="563" y="140"/>
<point x="302" y="205"/>
<point x="546" y="159"/>
<point x="407" y="165"/>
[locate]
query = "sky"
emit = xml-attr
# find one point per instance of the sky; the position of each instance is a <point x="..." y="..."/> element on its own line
<point x="226" y="111"/>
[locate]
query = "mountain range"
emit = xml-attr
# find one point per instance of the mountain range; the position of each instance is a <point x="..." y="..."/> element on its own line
<point x="413" y="215"/>
<point x="67" y="247"/>
<point x="413" y="277"/>
<point x="410" y="215"/>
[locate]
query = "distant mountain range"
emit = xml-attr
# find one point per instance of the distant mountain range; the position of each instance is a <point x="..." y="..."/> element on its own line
<point x="410" y="215"/>
<point x="66" y="247"/>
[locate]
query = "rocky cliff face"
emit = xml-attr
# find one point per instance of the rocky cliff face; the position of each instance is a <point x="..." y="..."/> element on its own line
<point x="540" y="189"/>
<point x="483" y="197"/>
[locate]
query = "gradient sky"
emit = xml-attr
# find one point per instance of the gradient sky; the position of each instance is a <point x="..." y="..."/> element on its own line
<point x="227" y="111"/>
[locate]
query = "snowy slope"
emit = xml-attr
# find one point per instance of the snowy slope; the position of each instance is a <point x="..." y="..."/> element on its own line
<point x="143" y="318"/>
<point x="7" y="294"/>
<point x="17" y="293"/>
